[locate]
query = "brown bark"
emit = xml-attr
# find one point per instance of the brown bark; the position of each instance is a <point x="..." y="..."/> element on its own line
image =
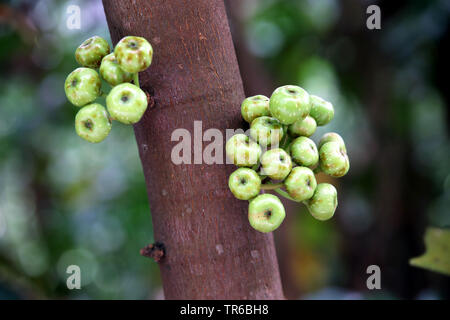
<point x="211" y="252"/>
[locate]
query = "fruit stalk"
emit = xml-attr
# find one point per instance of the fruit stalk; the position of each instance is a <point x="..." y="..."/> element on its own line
<point x="285" y="194"/>
<point x="270" y="186"/>
<point x="136" y="79"/>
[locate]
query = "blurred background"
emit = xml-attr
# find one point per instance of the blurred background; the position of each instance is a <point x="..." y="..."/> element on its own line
<point x="64" y="201"/>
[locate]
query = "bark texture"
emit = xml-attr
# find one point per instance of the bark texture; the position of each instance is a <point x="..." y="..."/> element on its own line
<point x="211" y="252"/>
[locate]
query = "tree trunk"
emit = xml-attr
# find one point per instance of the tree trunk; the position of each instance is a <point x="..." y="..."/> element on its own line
<point x="211" y="251"/>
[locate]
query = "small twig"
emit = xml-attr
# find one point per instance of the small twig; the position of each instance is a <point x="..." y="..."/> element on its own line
<point x="156" y="251"/>
<point x="150" y="100"/>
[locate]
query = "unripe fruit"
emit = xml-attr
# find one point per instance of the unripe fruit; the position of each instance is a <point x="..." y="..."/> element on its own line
<point x="255" y="107"/>
<point x="266" y="131"/>
<point x="331" y="137"/>
<point x="289" y="104"/>
<point x="91" y="52"/>
<point x="242" y="151"/>
<point x="322" y="111"/>
<point x="244" y="183"/>
<point x="333" y="159"/>
<point x="82" y="86"/>
<point x="276" y="164"/>
<point x="323" y="203"/>
<point x="134" y="54"/>
<point x="111" y="71"/>
<point x="126" y="103"/>
<point x="92" y="123"/>
<point x="303" y="127"/>
<point x="301" y="183"/>
<point x="304" y="152"/>
<point x="266" y="213"/>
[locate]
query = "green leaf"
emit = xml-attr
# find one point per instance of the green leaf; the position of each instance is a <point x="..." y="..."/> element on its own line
<point x="437" y="254"/>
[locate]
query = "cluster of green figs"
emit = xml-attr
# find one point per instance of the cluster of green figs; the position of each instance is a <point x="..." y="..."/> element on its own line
<point x="125" y="102"/>
<point x="279" y="155"/>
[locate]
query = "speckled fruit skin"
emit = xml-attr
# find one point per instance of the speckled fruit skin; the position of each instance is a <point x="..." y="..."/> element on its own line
<point x="267" y="131"/>
<point x="255" y="107"/>
<point x="331" y="137"/>
<point x="276" y="164"/>
<point x="304" y="152"/>
<point x="333" y="159"/>
<point x="324" y="202"/>
<point x="244" y="183"/>
<point x="126" y="103"/>
<point x="242" y="150"/>
<point x="266" y="213"/>
<point x="111" y="71"/>
<point x="301" y="183"/>
<point x="134" y="54"/>
<point x="289" y="104"/>
<point x="92" y="123"/>
<point x="91" y="52"/>
<point x="322" y="111"/>
<point x="303" y="127"/>
<point x="82" y="86"/>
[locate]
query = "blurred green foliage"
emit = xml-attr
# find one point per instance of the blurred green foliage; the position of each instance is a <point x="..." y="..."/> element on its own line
<point x="64" y="201"/>
<point x="394" y="119"/>
<point x="437" y="255"/>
